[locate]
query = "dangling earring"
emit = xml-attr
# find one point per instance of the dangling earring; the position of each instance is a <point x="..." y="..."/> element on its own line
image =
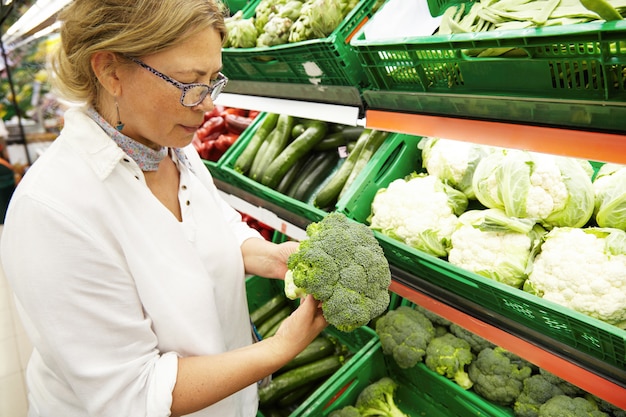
<point x="119" y="126"/>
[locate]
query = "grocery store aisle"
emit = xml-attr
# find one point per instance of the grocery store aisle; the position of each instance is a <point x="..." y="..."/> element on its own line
<point x="15" y="349"/>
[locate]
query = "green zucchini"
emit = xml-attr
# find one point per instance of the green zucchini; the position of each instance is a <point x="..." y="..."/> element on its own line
<point x="319" y="348"/>
<point x="266" y="326"/>
<point x="267" y="309"/>
<point x="298" y="377"/>
<point x="337" y="139"/>
<point x="290" y="176"/>
<point x="330" y="192"/>
<point x="307" y="166"/>
<point x="321" y="168"/>
<point x="272" y="331"/>
<point x="371" y="146"/>
<point x="257" y="162"/>
<point x="300" y="146"/>
<point x="280" y="137"/>
<point x="244" y="161"/>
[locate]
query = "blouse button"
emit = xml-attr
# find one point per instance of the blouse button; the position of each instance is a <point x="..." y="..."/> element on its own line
<point x="184" y="187"/>
<point x="126" y="160"/>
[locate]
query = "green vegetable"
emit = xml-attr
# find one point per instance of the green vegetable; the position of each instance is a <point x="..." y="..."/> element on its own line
<point x="267" y="325"/>
<point x="565" y="406"/>
<point x="497" y="377"/>
<point x="377" y="399"/>
<point x="341" y="138"/>
<point x="242" y="33"/>
<point x="341" y="264"/>
<point x="291" y="176"/>
<point x="297" y="377"/>
<point x="567" y="387"/>
<point x="603" y="8"/>
<point x="449" y="356"/>
<point x="347" y="411"/>
<point x="536" y="391"/>
<point x="321" y="166"/>
<point x="279" y="165"/>
<point x="268" y="309"/>
<point x="477" y="343"/>
<point x="319" y="348"/>
<point x="275" y="32"/>
<point x="244" y="161"/>
<point x="405" y="334"/>
<point x="610" y="196"/>
<point x="318" y="19"/>
<point x="330" y="192"/>
<point x="375" y="140"/>
<point x="277" y="141"/>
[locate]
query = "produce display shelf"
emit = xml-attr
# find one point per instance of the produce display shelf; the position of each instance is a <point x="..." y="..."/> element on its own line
<point x="596" y="146"/>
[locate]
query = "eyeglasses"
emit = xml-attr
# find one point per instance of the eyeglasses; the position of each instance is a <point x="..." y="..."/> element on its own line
<point x="193" y="93"/>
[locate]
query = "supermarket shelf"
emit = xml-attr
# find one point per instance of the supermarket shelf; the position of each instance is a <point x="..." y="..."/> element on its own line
<point x="595" y="146"/>
<point x="598" y="378"/>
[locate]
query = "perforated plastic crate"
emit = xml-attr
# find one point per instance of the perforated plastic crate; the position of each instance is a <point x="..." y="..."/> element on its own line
<point x="329" y="61"/>
<point x="399" y="158"/>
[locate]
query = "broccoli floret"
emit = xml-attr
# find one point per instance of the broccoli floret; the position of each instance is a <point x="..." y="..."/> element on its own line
<point x="404" y="334"/>
<point x="476" y="342"/>
<point x="496" y="377"/>
<point x="342" y="265"/>
<point x="566" y="406"/>
<point x="347" y="411"/>
<point x="377" y="399"/>
<point x="606" y="406"/>
<point x="567" y="387"/>
<point x="448" y="355"/>
<point x="537" y="390"/>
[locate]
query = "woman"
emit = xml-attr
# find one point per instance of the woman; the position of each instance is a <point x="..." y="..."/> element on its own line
<point x="127" y="266"/>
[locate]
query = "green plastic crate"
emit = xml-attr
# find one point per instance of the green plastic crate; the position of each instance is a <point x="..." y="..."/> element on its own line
<point x="359" y="342"/>
<point x="600" y="340"/>
<point x="236" y="5"/>
<point x="584" y="61"/>
<point x="421" y="392"/>
<point x="329" y="61"/>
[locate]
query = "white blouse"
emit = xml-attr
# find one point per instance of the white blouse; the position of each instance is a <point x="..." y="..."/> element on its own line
<point x="112" y="289"/>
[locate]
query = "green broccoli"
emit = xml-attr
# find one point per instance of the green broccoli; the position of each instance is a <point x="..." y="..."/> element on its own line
<point x="536" y="391"/>
<point x="347" y="411"/>
<point x="377" y="399"/>
<point x="342" y="265"/>
<point x="566" y="406"/>
<point x="448" y="355"/>
<point x="497" y="377"/>
<point x="606" y="406"/>
<point x="567" y="387"/>
<point x="476" y="342"/>
<point x="404" y="334"/>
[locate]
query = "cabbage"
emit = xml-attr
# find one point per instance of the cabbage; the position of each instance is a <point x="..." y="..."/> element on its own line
<point x="454" y="162"/>
<point x="554" y="191"/>
<point x="242" y="32"/>
<point x="479" y="238"/>
<point x="610" y="196"/>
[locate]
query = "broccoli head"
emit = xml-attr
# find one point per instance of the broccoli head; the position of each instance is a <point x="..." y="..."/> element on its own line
<point x="497" y="377"/>
<point x="342" y="265"/>
<point x="536" y="391"/>
<point x="567" y="387"/>
<point x="566" y="406"/>
<point x="377" y="399"/>
<point x="404" y="334"/>
<point x="448" y="355"/>
<point x="477" y="343"/>
<point x="347" y="411"/>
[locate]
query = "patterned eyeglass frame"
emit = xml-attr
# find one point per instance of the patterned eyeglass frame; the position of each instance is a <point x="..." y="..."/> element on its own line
<point x="217" y="86"/>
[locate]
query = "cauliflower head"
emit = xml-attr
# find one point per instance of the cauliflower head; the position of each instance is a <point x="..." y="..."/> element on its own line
<point x="478" y="240"/>
<point x="583" y="269"/>
<point x="420" y="211"/>
<point x="610" y="196"/>
<point x="404" y="334"/>
<point x="342" y="265"/>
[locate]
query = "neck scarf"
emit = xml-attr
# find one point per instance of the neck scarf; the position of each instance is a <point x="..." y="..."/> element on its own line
<point x="147" y="158"/>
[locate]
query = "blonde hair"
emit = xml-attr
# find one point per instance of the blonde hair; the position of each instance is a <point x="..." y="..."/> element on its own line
<point x="127" y="27"/>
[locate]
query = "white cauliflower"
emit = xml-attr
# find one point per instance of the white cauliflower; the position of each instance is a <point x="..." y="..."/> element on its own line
<point x="552" y="190"/>
<point x="583" y="269"/>
<point x="453" y="161"/>
<point x="420" y="211"/>
<point x="478" y="241"/>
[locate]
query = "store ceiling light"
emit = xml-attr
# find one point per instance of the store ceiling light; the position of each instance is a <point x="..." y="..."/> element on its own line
<point x="40" y="15"/>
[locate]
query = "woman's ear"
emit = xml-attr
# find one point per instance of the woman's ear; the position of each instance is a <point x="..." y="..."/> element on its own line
<point x="106" y="67"/>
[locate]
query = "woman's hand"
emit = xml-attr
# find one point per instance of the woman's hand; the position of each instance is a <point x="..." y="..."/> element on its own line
<point x="299" y="329"/>
<point x="267" y="259"/>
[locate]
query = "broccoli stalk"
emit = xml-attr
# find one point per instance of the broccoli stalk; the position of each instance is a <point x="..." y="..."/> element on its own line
<point x="448" y="355"/>
<point x="342" y="265"/>
<point x="377" y="399"/>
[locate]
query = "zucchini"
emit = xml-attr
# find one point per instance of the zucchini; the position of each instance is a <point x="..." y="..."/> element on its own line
<point x="272" y="331"/>
<point x="371" y="146"/>
<point x="319" y="348"/>
<point x="307" y="166"/>
<point x="330" y="192"/>
<point x="257" y="162"/>
<point x="244" y="161"/>
<point x="290" y="176"/>
<point x="298" y="377"/>
<point x="321" y="166"/>
<point x="337" y="139"/>
<point x="268" y="309"/>
<point x="279" y="138"/>
<point x="300" y="146"/>
<point x="281" y="314"/>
